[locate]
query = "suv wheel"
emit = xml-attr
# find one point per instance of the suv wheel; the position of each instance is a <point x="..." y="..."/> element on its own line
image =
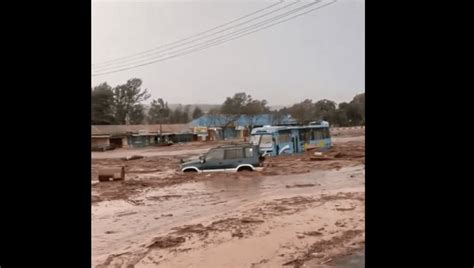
<point x="245" y="169"/>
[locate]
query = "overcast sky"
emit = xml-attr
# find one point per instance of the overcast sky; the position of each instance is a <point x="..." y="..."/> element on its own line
<point x="318" y="55"/>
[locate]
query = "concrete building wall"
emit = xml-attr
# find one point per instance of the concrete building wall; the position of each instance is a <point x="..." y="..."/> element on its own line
<point x="124" y="142"/>
<point x="100" y="141"/>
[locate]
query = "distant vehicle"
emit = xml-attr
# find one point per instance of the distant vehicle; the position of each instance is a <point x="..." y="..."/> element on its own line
<point x="233" y="158"/>
<point x="278" y="140"/>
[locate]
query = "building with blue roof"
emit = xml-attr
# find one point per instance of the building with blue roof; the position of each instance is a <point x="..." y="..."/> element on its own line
<point x="233" y="126"/>
<point x="242" y="120"/>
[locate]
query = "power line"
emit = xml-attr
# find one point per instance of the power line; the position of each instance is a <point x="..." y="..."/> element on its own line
<point x="102" y="69"/>
<point x="226" y="35"/>
<point x="215" y="43"/>
<point x="195" y="35"/>
<point x="200" y="38"/>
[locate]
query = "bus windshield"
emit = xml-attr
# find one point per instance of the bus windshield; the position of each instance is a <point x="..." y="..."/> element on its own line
<point x="255" y="139"/>
<point x="264" y="140"/>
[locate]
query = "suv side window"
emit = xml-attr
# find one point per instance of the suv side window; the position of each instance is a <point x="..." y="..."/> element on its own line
<point x="216" y="154"/>
<point x="234" y="153"/>
<point x="248" y="152"/>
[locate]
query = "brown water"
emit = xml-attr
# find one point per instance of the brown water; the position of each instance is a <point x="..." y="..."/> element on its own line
<point x="119" y="224"/>
<point x="356" y="260"/>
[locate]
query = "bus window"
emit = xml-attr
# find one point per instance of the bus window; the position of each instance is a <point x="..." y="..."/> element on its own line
<point x="302" y="135"/>
<point x="326" y="133"/>
<point x="283" y="137"/>
<point x="306" y="135"/>
<point x="318" y="133"/>
<point x="266" y="141"/>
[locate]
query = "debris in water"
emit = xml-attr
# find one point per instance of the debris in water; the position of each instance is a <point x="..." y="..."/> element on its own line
<point x="313" y="233"/>
<point x="250" y="220"/>
<point x="302" y="185"/>
<point x="166" y="242"/>
<point x="133" y="157"/>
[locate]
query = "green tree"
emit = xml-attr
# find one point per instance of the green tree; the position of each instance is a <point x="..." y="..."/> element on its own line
<point x="180" y="115"/>
<point x="186" y="114"/>
<point x="159" y="112"/>
<point x="241" y="104"/>
<point x="324" y="110"/>
<point x="352" y="113"/>
<point x="253" y="108"/>
<point x="340" y="115"/>
<point x="232" y="108"/>
<point x="234" y="105"/>
<point x="303" y="112"/>
<point x="126" y="97"/>
<point x="137" y="115"/>
<point x="102" y="105"/>
<point x="358" y="104"/>
<point x="197" y="112"/>
<point x="279" y="115"/>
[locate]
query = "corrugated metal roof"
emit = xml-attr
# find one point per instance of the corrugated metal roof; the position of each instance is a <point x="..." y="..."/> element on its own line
<point x="100" y="136"/>
<point x="243" y="120"/>
<point x="123" y="129"/>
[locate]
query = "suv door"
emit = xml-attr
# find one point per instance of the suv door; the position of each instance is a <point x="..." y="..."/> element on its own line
<point x="214" y="159"/>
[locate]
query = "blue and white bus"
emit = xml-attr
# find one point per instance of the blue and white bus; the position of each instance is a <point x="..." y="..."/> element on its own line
<point x="278" y="140"/>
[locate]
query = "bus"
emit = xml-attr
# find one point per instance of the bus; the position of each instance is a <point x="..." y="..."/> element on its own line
<point x="279" y="140"/>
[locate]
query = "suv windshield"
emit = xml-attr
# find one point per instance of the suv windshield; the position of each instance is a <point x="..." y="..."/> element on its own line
<point x="216" y="154"/>
<point x="264" y="140"/>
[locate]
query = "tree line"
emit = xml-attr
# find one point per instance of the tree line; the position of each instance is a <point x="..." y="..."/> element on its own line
<point x="345" y="114"/>
<point x="123" y="104"/>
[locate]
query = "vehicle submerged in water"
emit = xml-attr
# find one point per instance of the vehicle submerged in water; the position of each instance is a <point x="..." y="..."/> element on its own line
<point x="233" y="158"/>
<point x="278" y="140"/>
<point x="264" y="141"/>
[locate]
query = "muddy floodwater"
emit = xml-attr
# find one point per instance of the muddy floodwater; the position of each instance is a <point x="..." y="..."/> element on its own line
<point x="271" y="219"/>
<point x="356" y="260"/>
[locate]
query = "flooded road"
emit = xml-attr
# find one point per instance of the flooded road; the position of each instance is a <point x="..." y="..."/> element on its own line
<point x="144" y="152"/>
<point x="356" y="260"/>
<point x="300" y="211"/>
<point x="121" y="224"/>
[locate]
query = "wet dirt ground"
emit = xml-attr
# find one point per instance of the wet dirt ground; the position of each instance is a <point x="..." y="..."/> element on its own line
<point x="301" y="211"/>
